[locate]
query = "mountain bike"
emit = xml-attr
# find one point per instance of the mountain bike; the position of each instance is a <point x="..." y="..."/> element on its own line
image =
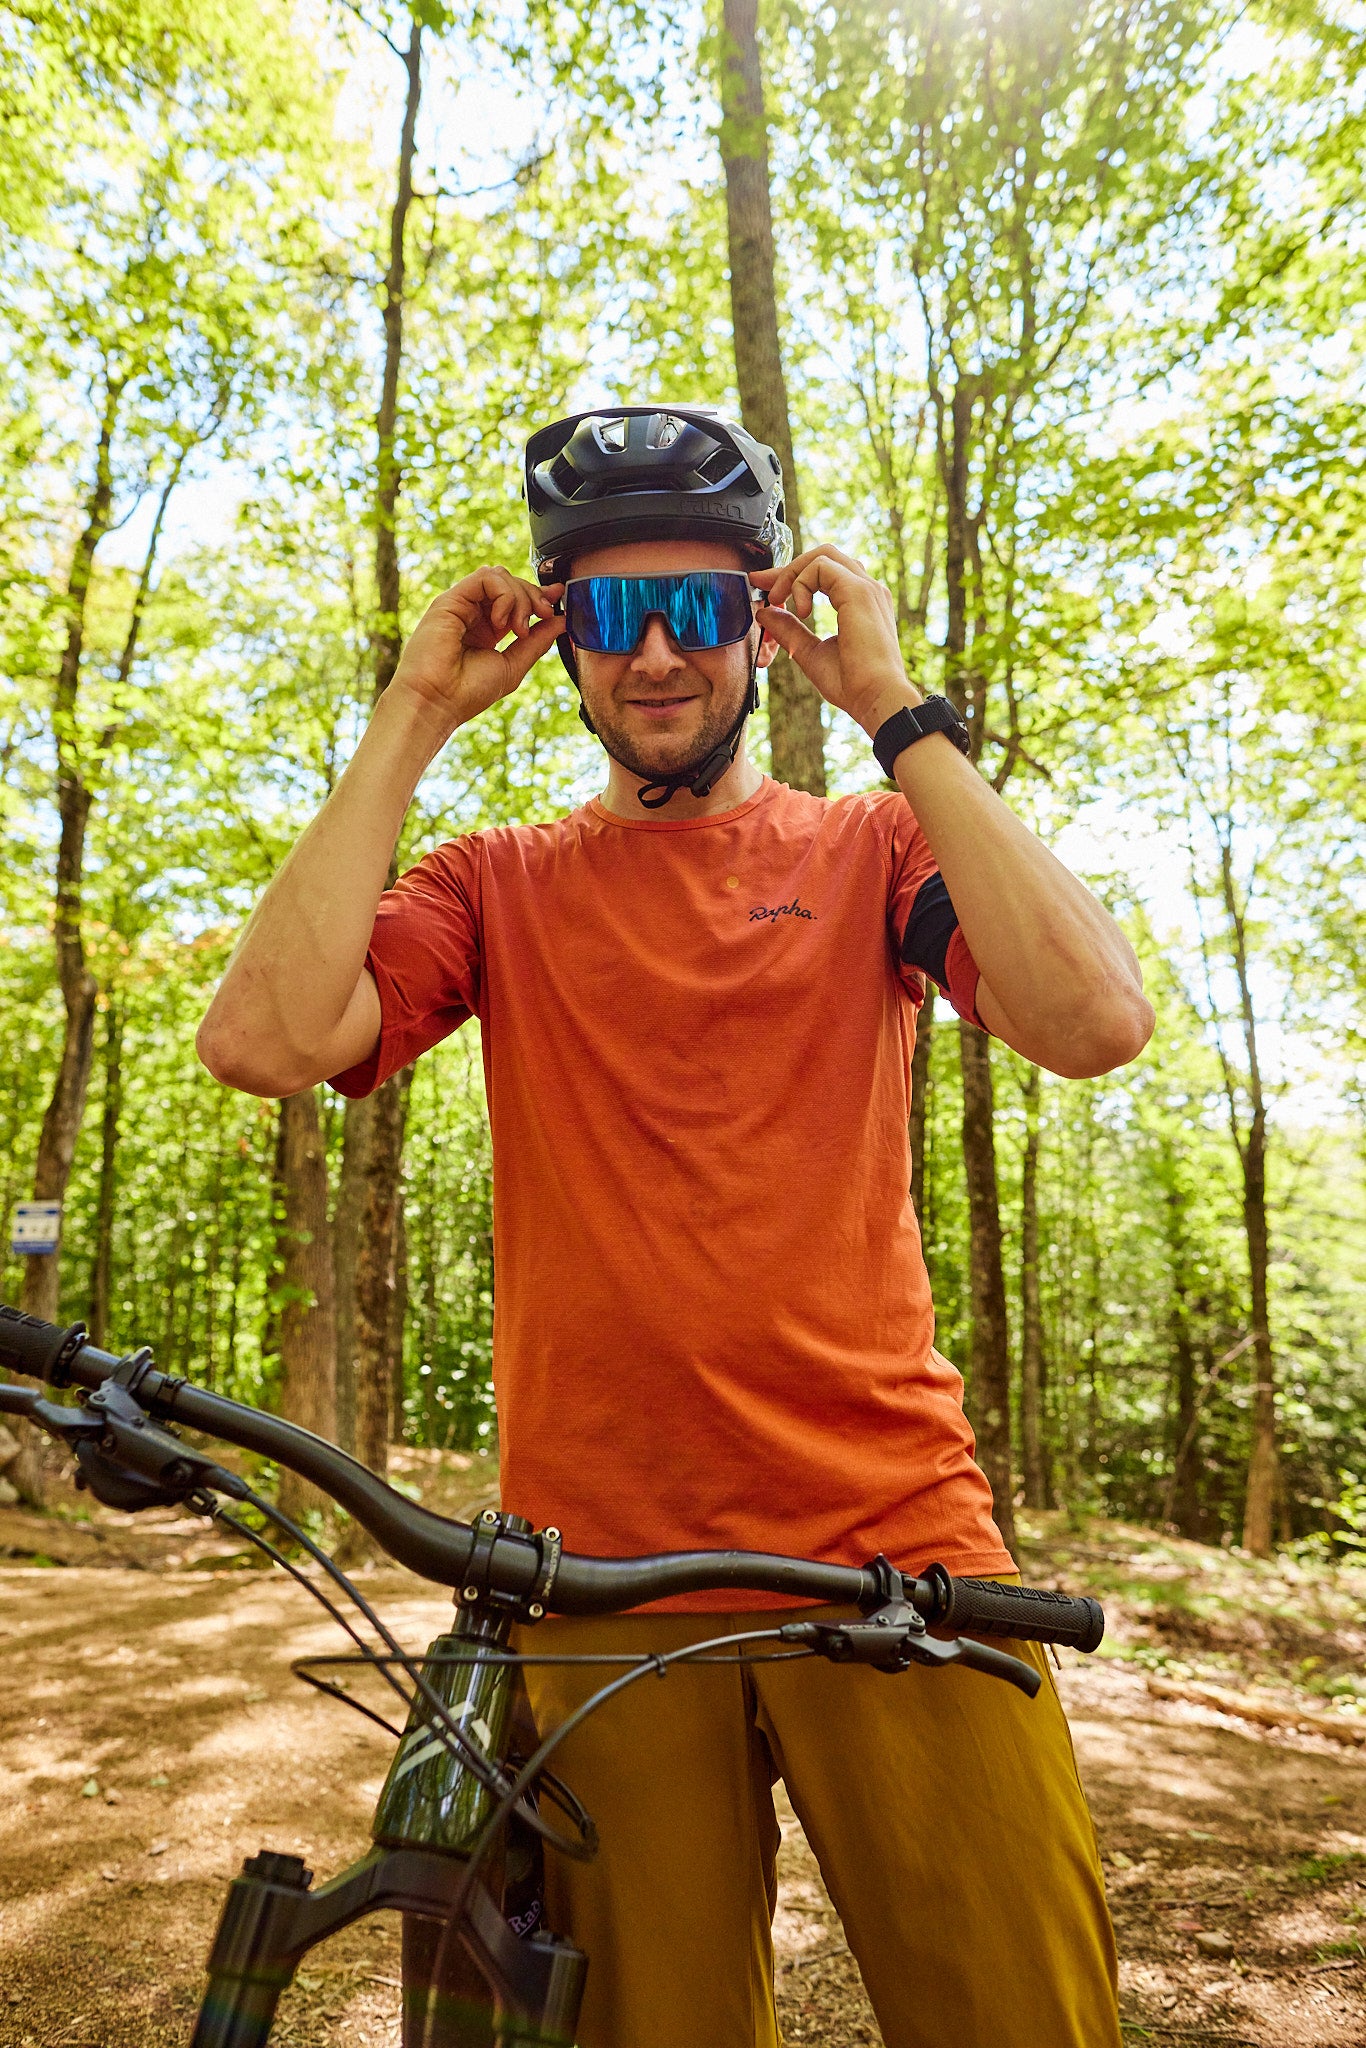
<point x="470" y="1799"/>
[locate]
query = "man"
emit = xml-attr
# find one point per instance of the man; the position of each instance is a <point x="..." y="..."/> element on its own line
<point x="697" y="999"/>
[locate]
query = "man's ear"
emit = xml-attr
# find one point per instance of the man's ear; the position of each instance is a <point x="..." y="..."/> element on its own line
<point x="768" y="647"/>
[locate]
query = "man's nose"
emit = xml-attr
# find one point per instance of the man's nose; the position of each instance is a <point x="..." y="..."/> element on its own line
<point x="656" y="654"/>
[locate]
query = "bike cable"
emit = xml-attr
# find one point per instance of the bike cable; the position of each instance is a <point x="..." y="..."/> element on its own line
<point x="642" y="1667"/>
<point x="439" y="1719"/>
<point x="444" y="1725"/>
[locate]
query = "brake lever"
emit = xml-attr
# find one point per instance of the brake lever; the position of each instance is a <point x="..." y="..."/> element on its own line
<point x="894" y="1636"/>
<point x="126" y="1460"/>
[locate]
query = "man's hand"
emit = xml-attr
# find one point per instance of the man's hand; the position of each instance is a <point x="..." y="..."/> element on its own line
<point x="860" y="669"/>
<point x="452" y="660"/>
<point x="297" y="1002"/>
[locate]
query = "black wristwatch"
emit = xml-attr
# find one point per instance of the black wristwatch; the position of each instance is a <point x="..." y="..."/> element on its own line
<point x="906" y="726"/>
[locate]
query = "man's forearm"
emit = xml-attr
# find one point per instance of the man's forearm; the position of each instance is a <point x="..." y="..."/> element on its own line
<point x="295" y="1005"/>
<point x="1060" y="982"/>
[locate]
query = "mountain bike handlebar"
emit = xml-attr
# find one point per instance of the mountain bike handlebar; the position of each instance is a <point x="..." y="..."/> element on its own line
<point x="528" y="1572"/>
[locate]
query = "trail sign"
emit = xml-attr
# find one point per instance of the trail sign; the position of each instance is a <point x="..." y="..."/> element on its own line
<point x="37" y="1227"/>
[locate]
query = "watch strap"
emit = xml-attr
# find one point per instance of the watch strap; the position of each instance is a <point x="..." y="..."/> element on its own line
<point x="914" y="723"/>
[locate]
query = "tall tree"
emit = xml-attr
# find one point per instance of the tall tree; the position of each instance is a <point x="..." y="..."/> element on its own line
<point x="1246" y="1095"/>
<point x="1033" y="1368"/>
<point x="111" y="1116"/>
<point x="66" y="1106"/>
<point x="796" y="728"/>
<point x="374" y="1149"/>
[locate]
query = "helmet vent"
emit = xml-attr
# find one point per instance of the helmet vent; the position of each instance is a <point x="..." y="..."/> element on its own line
<point x="564" y="476"/>
<point x="612" y="434"/>
<point x="721" y="466"/>
<point x="668" y="433"/>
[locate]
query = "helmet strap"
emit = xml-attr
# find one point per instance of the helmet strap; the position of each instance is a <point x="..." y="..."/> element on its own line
<point x="699" y="781"/>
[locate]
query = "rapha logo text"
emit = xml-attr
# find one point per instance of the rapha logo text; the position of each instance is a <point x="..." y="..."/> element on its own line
<point x="762" y="915"/>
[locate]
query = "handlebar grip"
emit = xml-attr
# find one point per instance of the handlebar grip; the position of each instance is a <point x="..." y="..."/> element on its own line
<point x="986" y="1607"/>
<point x="40" y="1350"/>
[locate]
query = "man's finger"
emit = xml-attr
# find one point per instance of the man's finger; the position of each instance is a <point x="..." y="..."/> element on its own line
<point x="831" y="579"/>
<point x="779" y="581"/>
<point x="820" y="570"/>
<point x="524" y="652"/>
<point x="789" y="632"/>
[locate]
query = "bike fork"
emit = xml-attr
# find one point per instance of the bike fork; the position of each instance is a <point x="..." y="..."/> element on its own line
<point x="531" y="1990"/>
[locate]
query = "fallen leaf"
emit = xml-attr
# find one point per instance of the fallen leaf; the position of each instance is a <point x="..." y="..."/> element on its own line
<point x="1120" y="1860"/>
<point x="160" y="1779"/>
<point x="1214" y="1943"/>
<point x="90" y="1789"/>
<point x="253" y="1697"/>
<point x="158" y="1848"/>
<point x="111" y="1797"/>
<point x="110" y="1876"/>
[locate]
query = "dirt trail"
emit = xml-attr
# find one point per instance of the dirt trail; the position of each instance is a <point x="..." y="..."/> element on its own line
<point x="152" y="1737"/>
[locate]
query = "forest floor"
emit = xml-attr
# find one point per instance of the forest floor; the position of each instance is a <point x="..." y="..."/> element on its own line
<point x="153" y="1736"/>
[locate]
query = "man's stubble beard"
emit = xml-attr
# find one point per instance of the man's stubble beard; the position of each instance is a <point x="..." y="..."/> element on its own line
<point x="715" y="731"/>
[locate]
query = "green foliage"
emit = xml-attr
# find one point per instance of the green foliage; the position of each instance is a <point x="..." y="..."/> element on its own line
<point x="1123" y="244"/>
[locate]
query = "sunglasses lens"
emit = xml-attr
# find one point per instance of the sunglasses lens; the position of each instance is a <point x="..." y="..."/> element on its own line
<point x="704" y="608"/>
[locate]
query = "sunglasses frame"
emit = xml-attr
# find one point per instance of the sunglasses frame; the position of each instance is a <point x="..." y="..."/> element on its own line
<point x="676" y="577"/>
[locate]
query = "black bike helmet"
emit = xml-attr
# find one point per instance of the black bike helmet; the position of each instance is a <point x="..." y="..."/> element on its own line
<point x="655" y="472"/>
<point x="652" y="472"/>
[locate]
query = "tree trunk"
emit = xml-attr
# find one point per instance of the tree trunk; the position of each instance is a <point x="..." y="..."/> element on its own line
<point x="796" y="730"/>
<point x="1263" y="1465"/>
<point x="101" y="1278"/>
<point x="990" y="1329"/>
<point x="1033" y="1372"/>
<point x="388" y="637"/>
<point x="307" y="1325"/>
<point x="920" y="1102"/>
<point x="345" y="1240"/>
<point x="66" y="1106"/>
<point x="377" y="1135"/>
<point x="989" y="1383"/>
<point x="1182" y="1503"/>
<point x="398" y="1321"/>
<point x="375" y="1273"/>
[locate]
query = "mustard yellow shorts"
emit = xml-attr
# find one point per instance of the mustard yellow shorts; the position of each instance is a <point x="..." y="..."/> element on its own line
<point x="944" y="1809"/>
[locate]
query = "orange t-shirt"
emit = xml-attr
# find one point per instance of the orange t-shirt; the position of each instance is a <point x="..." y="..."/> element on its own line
<point x="713" y="1326"/>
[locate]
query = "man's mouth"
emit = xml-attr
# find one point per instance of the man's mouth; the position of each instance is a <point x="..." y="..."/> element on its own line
<point x="658" y="707"/>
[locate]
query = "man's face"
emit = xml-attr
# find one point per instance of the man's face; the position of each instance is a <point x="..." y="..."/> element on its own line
<point x="659" y="711"/>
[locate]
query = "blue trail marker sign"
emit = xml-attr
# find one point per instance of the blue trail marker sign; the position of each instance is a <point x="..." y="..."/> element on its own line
<point x="37" y="1227"/>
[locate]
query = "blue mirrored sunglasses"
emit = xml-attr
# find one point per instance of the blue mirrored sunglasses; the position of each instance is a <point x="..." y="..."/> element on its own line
<point x="702" y="608"/>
